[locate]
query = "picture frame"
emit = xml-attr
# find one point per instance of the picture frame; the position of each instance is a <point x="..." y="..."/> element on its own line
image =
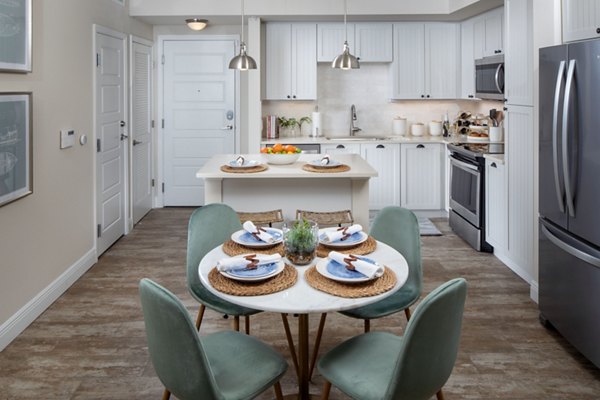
<point x="15" y="36"/>
<point x="16" y="164"/>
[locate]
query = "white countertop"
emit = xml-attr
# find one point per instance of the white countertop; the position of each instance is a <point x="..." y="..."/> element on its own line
<point x="359" y="168"/>
<point x="363" y="139"/>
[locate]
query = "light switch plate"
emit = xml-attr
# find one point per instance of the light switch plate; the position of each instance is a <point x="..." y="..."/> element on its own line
<point x="67" y="138"/>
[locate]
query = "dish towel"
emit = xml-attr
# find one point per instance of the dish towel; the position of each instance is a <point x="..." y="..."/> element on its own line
<point x="341" y="233"/>
<point x="354" y="263"/>
<point x="258" y="232"/>
<point x="250" y="261"/>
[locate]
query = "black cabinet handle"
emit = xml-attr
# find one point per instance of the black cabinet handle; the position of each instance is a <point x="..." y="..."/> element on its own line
<point x="471" y="96"/>
<point x="493" y="165"/>
<point x="420" y="146"/>
<point x="288" y="96"/>
<point x="294" y="96"/>
<point x="505" y="108"/>
<point x="380" y="146"/>
<point x="340" y="146"/>
<point x="598" y="31"/>
<point x="497" y="51"/>
<point x="428" y="96"/>
<point x="422" y="96"/>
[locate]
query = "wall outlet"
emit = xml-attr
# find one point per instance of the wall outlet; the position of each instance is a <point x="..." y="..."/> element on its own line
<point x="67" y="138"/>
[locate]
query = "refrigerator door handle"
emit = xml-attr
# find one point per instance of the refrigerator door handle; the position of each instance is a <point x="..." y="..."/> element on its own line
<point x="565" y="137"/>
<point x="582" y="255"/>
<point x="560" y="192"/>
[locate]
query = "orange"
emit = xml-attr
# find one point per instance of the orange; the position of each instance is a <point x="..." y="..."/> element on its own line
<point x="277" y="148"/>
<point x="290" y="149"/>
<point x="264" y="150"/>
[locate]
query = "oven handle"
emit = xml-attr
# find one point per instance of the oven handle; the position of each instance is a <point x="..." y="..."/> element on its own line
<point x="463" y="164"/>
<point x="559" y="190"/>
<point x="497" y="78"/>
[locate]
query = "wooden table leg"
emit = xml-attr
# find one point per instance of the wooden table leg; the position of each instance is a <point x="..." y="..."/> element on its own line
<point x="303" y="378"/>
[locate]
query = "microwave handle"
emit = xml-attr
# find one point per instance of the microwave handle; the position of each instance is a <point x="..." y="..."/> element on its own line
<point x="497" y="77"/>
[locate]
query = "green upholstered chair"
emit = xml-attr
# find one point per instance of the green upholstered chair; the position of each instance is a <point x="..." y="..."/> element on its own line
<point x="218" y="366"/>
<point x="398" y="228"/>
<point x="380" y="366"/>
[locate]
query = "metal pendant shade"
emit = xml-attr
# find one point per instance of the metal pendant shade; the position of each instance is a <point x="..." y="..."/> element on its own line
<point x="242" y="62"/>
<point x="345" y="60"/>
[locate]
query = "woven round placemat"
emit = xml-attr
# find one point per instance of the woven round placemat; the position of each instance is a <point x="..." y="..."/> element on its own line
<point x="339" y="168"/>
<point x="351" y="290"/>
<point x="233" y="249"/>
<point x="287" y="278"/>
<point x="366" y="247"/>
<point x="258" y="168"/>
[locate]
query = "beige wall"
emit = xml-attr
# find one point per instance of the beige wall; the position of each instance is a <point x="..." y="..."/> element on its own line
<point x="45" y="233"/>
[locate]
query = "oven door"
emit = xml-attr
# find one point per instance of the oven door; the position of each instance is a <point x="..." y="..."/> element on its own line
<point x="465" y="190"/>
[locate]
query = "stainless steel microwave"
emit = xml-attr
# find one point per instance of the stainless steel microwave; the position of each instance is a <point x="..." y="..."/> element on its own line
<point x="489" y="77"/>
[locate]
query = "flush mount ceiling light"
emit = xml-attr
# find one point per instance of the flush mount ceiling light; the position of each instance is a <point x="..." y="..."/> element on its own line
<point x="242" y="61"/>
<point x="345" y="60"/>
<point x="196" y="24"/>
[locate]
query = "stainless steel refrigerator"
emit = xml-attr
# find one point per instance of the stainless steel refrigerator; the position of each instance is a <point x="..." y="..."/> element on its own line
<point x="569" y="196"/>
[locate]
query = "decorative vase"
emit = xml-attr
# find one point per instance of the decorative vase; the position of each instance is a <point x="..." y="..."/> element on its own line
<point x="300" y="239"/>
<point x="288" y="131"/>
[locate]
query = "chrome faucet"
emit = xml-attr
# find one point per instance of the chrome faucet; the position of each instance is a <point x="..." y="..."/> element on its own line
<point x="353" y="129"/>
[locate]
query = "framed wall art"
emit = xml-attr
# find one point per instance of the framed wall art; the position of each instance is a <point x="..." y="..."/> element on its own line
<point x="16" y="172"/>
<point x="15" y="35"/>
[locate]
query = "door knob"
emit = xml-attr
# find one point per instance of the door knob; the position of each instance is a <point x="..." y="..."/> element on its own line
<point x="136" y="142"/>
<point x="122" y="123"/>
<point x="227" y="128"/>
<point x="124" y="136"/>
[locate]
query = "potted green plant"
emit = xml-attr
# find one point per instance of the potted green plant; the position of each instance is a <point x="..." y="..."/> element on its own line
<point x="300" y="239"/>
<point x="288" y="127"/>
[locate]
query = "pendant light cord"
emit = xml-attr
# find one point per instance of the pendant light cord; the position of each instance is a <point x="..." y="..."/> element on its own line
<point x="345" y="23"/>
<point x="242" y="21"/>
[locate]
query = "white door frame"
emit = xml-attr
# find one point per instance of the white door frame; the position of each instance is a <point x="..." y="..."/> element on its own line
<point x="160" y="102"/>
<point x="126" y="199"/>
<point x="153" y="140"/>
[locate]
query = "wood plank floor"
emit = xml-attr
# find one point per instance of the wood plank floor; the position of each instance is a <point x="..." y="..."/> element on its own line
<point x="90" y="344"/>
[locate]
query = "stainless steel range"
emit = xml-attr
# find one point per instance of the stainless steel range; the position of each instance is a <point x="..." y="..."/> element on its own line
<point x="467" y="191"/>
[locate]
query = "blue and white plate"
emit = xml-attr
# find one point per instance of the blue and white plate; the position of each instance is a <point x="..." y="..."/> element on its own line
<point x="261" y="272"/>
<point x="246" y="239"/>
<point x="338" y="272"/>
<point x="355" y="239"/>
<point x="331" y="164"/>
<point x="246" y="164"/>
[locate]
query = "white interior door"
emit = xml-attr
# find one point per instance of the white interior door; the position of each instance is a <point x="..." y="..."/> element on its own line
<point x="199" y="113"/>
<point x="110" y="135"/>
<point x="141" y="128"/>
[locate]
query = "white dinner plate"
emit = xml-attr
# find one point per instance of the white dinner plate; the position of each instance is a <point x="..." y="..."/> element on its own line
<point x="246" y="164"/>
<point x="356" y="238"/>
<point x="338" y="272"/>
<point x="478" y="139"/>
<point x="331" y="164"/>
<point x="261" y="272"/>
<point x="246" y="239"/>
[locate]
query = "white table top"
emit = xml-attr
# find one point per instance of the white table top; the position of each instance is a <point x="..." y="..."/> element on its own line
<point x="302" y="298"/>
<point x="359" y="168"/>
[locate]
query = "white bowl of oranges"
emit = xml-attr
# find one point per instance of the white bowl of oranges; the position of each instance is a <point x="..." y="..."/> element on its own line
<point x="281" y="154"/>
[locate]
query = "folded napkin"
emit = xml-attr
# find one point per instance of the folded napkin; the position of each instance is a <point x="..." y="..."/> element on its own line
<point x="240" y="161"/>
<point x="251" y="261"/>
<point x="325" y="160"/>
<point x="354" y="263"/>
<point x="258" y="232"/>
<point x="341" y="233"/>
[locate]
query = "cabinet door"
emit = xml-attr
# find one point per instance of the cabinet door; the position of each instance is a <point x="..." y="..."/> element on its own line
<point x="278" y="68"/>
<point x="373" y="42"/>
<point x="384" y="190"/>
<point x="519" y="57"/>
<point x="496" y="199"/>
<point x="494" y="32"/>
<point x="581" y="19"/>
<point x="478" y="37"/>
<point x="467" y="60"/>
<point x="421" y="176"/>
<point x="408" y="67"/>
<point x="340" y="148"/>
<point x="441" y="60"/>
<point x="304" y="61"/>
<point x="330" y="40"/>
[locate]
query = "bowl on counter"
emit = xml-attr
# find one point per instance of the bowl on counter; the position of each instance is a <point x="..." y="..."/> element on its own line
<point x="281" y="159"/>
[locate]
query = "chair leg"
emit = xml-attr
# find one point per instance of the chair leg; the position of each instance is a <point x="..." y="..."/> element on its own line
<point x="247" y="324"/>
<point x="326" y="390"/>
<point x="278" y="392"/>
<point x="440" y="395"/>
<point x="288" y="335"/>
<point x="199" y="318"/>
<point x="236" y="323"/>
<point x="166" y="395"/>
<point x="407" y="313"/>
<point x="367" y="325"/>
<point x="315" y="353"/>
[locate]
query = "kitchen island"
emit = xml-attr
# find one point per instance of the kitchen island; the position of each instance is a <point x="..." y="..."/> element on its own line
<point x="289" y="187"/>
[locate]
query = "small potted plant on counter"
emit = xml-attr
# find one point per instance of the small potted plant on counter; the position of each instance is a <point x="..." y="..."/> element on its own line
<point x="300" y="239"/>
<point x="290" y="127"/>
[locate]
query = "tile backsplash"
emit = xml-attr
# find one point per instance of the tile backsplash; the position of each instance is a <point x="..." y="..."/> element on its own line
<point x="368" y="88"/>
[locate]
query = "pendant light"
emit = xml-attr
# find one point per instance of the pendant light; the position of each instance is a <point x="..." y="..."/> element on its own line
<point x="242" y="61"/>
<point x="345" y="60"/>
<point x="196" y="24"/>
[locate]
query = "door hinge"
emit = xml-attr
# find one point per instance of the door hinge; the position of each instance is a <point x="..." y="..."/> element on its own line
<point x="152" y="124"/>
<point x="162" y="60"/>
<point x="97" y="59"/>
<point x="152" y="182"/>
<point x="99" y="230"/>
<point x="98" y="146"/>
<point x="163" y="187"/>
<point x="163" y="123"/>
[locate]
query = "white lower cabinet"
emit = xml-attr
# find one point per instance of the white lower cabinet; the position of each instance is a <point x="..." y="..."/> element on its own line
<point x="421" y="177"/>
<point x="496" y="205"/>
<point x="333" y="148"/>
<point x="384" y="190"/>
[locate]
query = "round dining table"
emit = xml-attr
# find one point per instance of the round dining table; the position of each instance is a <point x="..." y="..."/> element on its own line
<point x="302" y="299"/>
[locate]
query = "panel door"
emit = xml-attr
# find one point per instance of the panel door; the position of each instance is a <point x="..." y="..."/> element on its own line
<point x="441" y="60"/>
<point x="581" y="19"/>
<point x="408" y="67"/>
<point x="384" y="190"/>
<point x="494" y="32"/>
<point x="141" y="129"/>
<point x="110" y="134"/>
<point x="467" y="60"/>
<point x="496" y="221"/>
<point x="519" y="57"/>
<point x="421" y="176"/>
<point x="340" y="148"/>
<point x="478" y="37"/>
<point x="373" y="42"/>
<point x="278" y="65"/>
<point x="330" y="40"/>
<point x="304" y="61"/>
<point x="199" y="111"/>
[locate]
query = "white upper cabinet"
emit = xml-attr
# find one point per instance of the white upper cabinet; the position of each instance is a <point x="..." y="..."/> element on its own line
<point x="467" y="58"/>
<point x="369" y="42"/>
<point x="519" y="57"/>
<point x="425" y="61"/>
<point x="421" y="178"/>
<point x="581" y="19"/>
<point x="291" y="61"/>
<point x="488" y="33"/>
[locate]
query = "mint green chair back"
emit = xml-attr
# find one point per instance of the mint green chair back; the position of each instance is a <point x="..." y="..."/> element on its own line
<point x="218" y="366"/>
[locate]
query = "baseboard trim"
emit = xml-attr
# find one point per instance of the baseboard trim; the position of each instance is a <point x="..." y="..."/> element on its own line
<point x="516" y="268"/>
<point x="534" y="292"/>
<point x="16" y="324"/>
